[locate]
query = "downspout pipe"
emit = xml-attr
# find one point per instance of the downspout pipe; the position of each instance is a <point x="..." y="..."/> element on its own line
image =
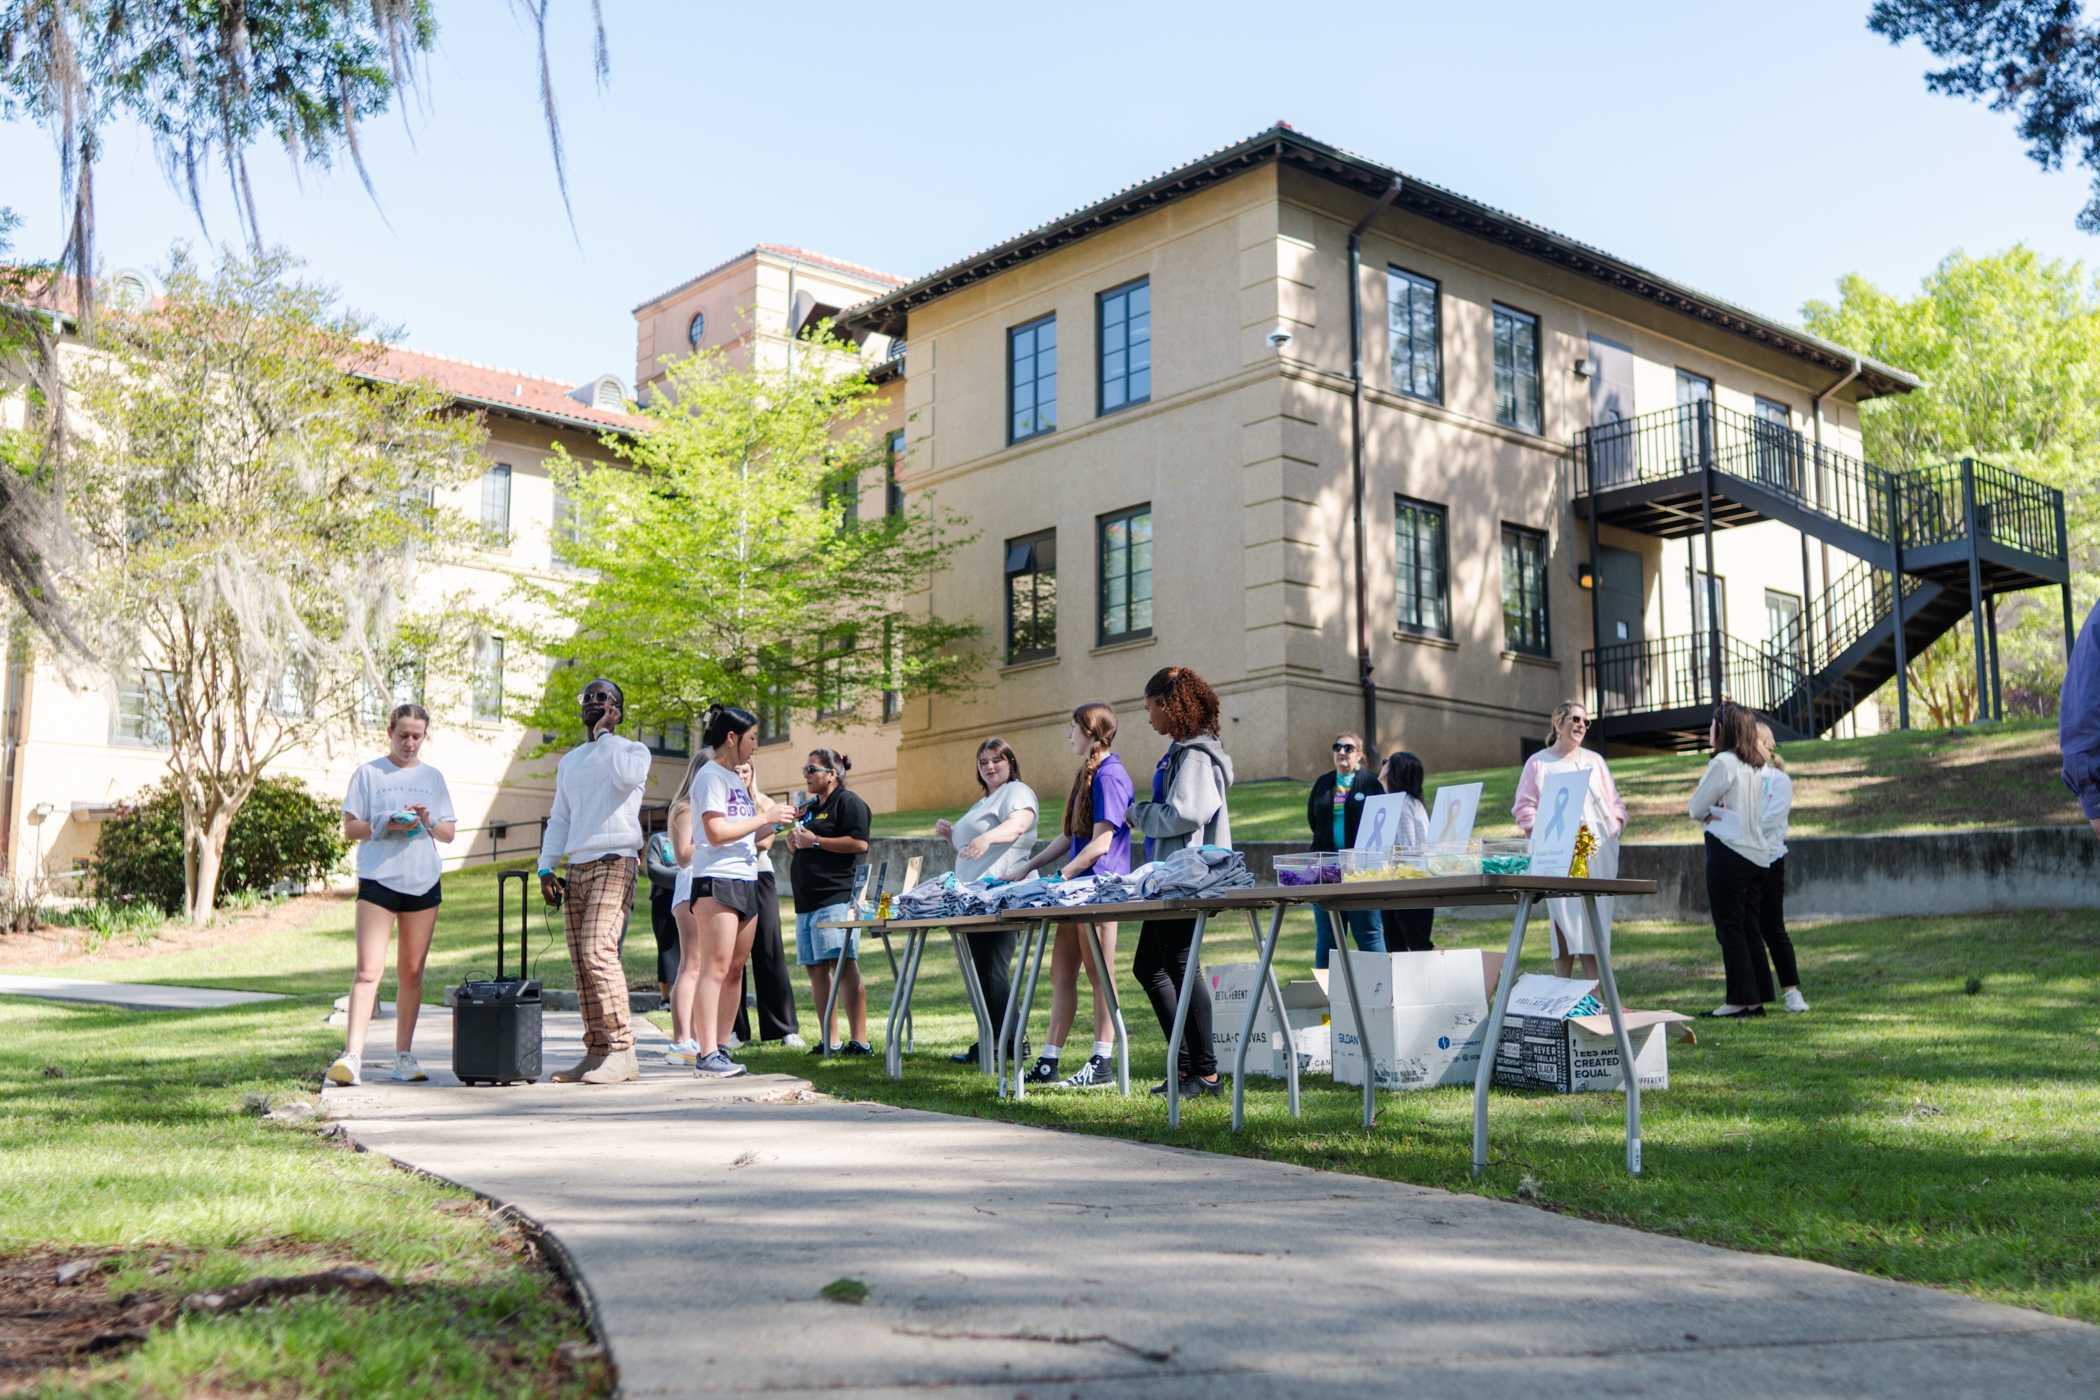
<point x="1366" y="679"/>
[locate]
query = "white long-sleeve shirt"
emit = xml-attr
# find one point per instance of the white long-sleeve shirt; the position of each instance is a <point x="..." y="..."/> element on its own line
<point x="1732" y="794"/>
<point x="597" y="802"/>
<point x="1777" y="810"/>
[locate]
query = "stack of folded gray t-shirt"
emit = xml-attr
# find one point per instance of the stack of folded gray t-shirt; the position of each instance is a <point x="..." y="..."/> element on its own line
<point x="1194" y="871"/>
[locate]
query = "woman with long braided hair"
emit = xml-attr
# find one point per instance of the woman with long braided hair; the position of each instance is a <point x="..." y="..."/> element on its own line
<point x="1095" y="841"/>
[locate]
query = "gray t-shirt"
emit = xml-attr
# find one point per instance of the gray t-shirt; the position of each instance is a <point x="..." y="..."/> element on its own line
<point x="1000" y="862"/>
<point x="406" y="863"/>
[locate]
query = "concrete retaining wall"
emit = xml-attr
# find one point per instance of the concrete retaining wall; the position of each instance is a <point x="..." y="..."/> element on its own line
<point x="2036" y="867"/>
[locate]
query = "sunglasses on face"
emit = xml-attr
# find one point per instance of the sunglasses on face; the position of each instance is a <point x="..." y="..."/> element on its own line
<point x="1574" y="720"/>
<point x="1345" y="748"/>
<point x="810" y="770"/>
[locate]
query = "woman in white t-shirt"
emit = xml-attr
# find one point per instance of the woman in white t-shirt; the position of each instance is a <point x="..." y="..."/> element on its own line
<point x="397" y="809"/>
<point x="992" y="841"/>
<point x="725" y="892"/>
<point x="678" y="827"/>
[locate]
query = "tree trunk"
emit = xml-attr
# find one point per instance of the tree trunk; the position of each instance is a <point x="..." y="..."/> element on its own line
<point x="204" y="851"/>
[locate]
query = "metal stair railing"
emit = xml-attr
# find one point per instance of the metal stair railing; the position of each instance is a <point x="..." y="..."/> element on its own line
<point x="1675" y="673"/>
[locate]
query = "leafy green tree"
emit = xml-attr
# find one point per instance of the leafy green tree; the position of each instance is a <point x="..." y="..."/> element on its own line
<point x="244" y="522"/>
<point x="2009" y="349"/>
<point x="722" y="559"/>
<point x="2040" y="58"/>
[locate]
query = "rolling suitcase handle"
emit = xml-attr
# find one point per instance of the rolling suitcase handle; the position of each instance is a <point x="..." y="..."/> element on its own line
<point x="503" y="879"/>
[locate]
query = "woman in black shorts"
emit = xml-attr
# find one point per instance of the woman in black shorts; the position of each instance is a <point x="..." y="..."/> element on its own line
<point x="397" y="809"/>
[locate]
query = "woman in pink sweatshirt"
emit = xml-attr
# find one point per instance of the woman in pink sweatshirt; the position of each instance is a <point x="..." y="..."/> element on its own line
<point x="1602" y="812"/>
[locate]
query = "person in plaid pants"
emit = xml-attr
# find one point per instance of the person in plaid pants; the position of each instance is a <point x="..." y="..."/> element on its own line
<point x="596" y="826"/>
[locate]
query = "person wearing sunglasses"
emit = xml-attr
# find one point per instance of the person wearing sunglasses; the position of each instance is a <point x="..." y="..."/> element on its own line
<point x="1602" y="812"/>
<point x="1333" y="809"/>
<point x="828" y="841"/>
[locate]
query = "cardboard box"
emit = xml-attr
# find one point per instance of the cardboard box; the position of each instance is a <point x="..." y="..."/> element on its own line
<point x="1557" y="1036"/>
<point x="1231" y="987"/>
<point x="1426" y="1016"/>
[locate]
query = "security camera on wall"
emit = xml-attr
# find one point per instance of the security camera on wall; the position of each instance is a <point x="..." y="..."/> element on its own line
<point x="1278" y="338"/>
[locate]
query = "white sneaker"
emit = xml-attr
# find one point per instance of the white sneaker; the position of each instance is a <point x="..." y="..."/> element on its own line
<point x="681" y="1052"/>
<point x="346" y="1071"/>
<point x="406" y="1070"/>
<point x="732" y="1043"/>
<point x="1793" y="1000"/>
<point x="793" y="1040"/>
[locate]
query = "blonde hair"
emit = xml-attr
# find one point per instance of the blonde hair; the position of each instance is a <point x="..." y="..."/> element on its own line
<point x="1560" y="712"/>
<point x="1770" y="746"/>
<point x="685" y="785"/>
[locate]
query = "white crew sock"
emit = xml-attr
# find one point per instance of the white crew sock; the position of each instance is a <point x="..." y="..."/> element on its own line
<point x="1104" y="1048"/>
<point x="1051" y="1052"/>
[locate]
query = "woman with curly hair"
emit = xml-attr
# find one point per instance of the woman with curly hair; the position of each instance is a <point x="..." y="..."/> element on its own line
<point x="1188" y="805"/>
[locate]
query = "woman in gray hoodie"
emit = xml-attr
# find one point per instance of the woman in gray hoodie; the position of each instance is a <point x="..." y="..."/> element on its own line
<point x="1187" y="806"/>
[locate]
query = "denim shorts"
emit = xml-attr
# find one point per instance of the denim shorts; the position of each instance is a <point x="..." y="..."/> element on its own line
<point x="822" y="945"/>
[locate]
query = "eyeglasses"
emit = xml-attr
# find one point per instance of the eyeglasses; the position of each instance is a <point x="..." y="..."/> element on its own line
<point x="810" y="771"/>
<point x="1345" y="748"/>
<point x="1574" y="720"/>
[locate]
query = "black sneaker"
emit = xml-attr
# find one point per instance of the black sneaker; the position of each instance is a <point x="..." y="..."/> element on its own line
<point x="1192" y="1088"/>
<point x="858" y="1047"/>
<point x="1097" y="1073"/>
<point x="820" y="1048"/>
<point x="1043" y="1071"/>
<point x="964" y="1057"/>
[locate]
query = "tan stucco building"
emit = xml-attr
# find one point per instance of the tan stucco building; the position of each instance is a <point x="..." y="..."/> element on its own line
<point x="1148" y="410"/>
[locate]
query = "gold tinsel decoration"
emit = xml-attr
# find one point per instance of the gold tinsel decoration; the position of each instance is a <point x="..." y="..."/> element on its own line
<point x="1585" y="842"/>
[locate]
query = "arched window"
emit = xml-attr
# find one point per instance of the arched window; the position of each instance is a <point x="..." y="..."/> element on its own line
<point x="696" y="329"/>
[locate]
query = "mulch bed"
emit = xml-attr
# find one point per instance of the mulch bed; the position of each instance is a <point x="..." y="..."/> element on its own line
<point x="46" y="1324"/>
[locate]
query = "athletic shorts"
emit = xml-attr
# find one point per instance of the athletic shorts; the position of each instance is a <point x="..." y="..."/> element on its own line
<point x="395" y="902"/>
<point x="739" y="895"/>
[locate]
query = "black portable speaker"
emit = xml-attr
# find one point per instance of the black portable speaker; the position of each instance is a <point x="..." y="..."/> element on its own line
<point x="496" y="1023"/>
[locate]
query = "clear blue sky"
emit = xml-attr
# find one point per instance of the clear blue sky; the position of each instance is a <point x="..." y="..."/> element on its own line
<point x="1757" y="153"/>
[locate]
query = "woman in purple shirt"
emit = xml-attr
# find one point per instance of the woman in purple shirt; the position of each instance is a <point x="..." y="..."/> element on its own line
<point x="1096" y="841"/>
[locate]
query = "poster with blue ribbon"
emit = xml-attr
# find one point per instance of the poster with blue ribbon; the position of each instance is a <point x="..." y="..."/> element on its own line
<point x="1559" y="818"/>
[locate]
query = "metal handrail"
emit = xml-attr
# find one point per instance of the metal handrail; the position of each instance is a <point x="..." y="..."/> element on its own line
<point x="1675" y="672"/>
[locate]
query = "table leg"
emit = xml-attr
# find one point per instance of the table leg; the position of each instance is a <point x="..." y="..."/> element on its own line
<point x="1035" y="970"/>
<point x="891" y="954"/>
<point x="1115" y="1009"/>
<point x="1264" y="980"/>
<point x="1181" y="1016"/>
<point x="1493" y="1045"/>
<point x="1345" y="953"/>
<point x="978" y="1006"/>
<point x="1602" y="939"/>
<point x="898" y="993"/>
<point x="900" y="1006"/>
<point x="1003" y="1051"/>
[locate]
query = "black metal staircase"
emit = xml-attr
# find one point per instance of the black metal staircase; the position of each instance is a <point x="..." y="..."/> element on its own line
<point x="1952" y="537"/>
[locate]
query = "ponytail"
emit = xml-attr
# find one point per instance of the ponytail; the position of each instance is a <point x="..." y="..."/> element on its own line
<point x="723" y="721"/>
<point x="838" y="763"/>
<point x="1097" y="721"/>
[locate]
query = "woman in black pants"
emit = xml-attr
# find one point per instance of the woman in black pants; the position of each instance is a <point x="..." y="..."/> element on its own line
<point x="1729" y="804"/>
<point x="767" y="968"/>
<point x="1188" y="805"/>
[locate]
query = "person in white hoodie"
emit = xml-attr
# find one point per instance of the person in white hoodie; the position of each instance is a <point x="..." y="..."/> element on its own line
<point x="596" y="826"/>
<point x="1729" y="803"/>
<point x="1777" y="810"/>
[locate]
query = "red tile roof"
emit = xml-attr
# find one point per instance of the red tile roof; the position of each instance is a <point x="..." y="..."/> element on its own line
<point x="485" y="386"/>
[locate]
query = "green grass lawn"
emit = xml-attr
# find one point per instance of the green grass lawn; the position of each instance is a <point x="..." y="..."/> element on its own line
<point x="1905" y="1127"/>
<point x="144" y="1146"/>
<point x="1942" y="779"/>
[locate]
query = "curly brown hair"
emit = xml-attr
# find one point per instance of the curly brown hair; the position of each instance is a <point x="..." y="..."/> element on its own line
<point x="1187" y="701"/>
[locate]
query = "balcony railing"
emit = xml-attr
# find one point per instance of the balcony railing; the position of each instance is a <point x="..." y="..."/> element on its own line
<point x="1675" y="673"/>
<point x="2011" y="509"/>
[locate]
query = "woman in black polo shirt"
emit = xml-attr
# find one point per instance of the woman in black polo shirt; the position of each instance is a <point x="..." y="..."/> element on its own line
<point x="828" y="841"/>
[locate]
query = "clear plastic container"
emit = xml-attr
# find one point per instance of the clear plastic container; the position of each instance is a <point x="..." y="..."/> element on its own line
<point x="1310" y="868"/>
<point x="1453" y="860"/>
<point x="1510" y="857"/>
<point x="1358" y="866"/>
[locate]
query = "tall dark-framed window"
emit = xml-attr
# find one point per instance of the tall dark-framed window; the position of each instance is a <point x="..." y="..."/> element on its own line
<point x="673" y="739"/>
<point x="892" y="493"/>
<point x="1124" y="320"/>
<point x="835" y="675"/>
<point x="495" y="502"/>
<point x="1517" y="369"/>
<point x="1413" y="317"/>
<point x="773" y="702"/>
<point x="1031" y="379"/>
<point x="1422" y="559"/>
<point x="1524" y="619"/>
<point x="1031" y="597"/>
<point x="892" y="671"/>
<point x="1125" y="543"/>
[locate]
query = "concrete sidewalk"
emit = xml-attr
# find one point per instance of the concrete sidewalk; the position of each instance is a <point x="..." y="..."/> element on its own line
<point x="1003" y="1260"/>
<point x="128" y="996"/>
